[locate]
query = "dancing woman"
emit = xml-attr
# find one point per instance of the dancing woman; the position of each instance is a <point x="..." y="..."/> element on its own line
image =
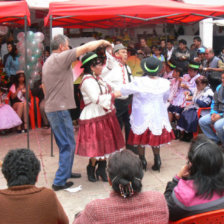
<point x="99" y="131"/>
<point x="149" y="118"/>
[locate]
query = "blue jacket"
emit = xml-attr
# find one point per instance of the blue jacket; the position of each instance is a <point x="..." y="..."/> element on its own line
<point x="217" y="106"/>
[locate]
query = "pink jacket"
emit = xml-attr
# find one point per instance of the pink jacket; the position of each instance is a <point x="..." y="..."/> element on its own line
<point x="146" y="207"/>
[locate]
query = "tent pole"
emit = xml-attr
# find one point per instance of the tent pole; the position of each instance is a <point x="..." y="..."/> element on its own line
<point x="27" y="83"/>
<point x="52" y="150"/>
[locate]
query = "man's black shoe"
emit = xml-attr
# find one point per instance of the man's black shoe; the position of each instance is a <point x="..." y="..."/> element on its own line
<point x="75" y="175"/>
<point x="57" y="188"/>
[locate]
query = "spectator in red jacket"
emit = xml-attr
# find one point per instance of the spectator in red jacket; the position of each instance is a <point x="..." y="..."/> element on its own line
<point x="126" y="204"/>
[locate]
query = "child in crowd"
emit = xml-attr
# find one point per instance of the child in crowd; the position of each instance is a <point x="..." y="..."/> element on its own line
<point x="158" y="53"/>
<point x="169" y="68"/>
<point x="8" y="117"/>
<point x="176" y="98"/>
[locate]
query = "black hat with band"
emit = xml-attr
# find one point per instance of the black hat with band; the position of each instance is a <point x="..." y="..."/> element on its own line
<point x="87" y="58"/>
<point x="194" y="65"/>
<point x="171" y="64"/>
<point x="151" y="66"/>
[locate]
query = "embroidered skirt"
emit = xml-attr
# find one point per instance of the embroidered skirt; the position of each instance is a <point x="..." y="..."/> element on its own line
<point x="100" y="136"/>
<point x="147" y="138"/>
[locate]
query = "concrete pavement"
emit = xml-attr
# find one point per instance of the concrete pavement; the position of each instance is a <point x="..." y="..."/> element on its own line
<point x="173" y="158"/>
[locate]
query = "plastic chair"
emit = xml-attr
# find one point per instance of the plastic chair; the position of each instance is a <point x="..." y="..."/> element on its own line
<point x="195" y="134"/>
<point x="34" y="101"/>
<point x="7" y="100"/>
<point x="212" y="217"/>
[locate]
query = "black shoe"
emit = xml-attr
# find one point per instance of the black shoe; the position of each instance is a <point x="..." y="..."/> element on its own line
<point x="91" y="172"/>
<point x="19" y="131"/>
<point x="177" y="133"/>
<point x="57" y="188"/>
<point x="143" y="161"/>
<point x="187" y="137"/>
<point x="157" y="162"/>
<point x="101" y="171"/>
<point x="132" y="148"/>
<point x="75" y="175"/>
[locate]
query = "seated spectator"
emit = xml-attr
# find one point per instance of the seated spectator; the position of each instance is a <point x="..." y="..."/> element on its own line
<point x="212" y="63"/>
<point x="213" y="68"/>
<point x="126" y="203"/>
<point x="221" y="55"/>
<point x="176" y="99"/>
<point x="200" y="57"/>
<point x="169" y="68"/>
<point x="215" y="118"/>
<point x="22" y="202"/>
<point x="8" y="117"/>
<point x="188" y="80"/>
<point x="199" y="186"/>
<point x="188" y="122"/>
<point x="18" y="99"/>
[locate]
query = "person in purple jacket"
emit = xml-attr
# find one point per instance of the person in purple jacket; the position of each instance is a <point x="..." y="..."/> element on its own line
<point x="199" y="186"/>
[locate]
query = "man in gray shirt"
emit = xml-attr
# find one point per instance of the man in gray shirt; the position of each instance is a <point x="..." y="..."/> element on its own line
<point x="59" y="98"/>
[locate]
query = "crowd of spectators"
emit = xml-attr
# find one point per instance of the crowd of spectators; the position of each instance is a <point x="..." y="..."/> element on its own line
<point x="191" y="63"/>
<point x="197" y="188"/>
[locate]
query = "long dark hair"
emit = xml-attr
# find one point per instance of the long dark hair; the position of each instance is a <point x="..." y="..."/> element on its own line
<point x="207" y="167"/>
<point x="13" y="52"/>
<point x="87" y="68"/>
<point x="125" y="168"/>
<point x="17" y="79"/>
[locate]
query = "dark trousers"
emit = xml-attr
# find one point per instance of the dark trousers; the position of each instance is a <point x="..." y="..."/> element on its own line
<point x="123" y="115"/>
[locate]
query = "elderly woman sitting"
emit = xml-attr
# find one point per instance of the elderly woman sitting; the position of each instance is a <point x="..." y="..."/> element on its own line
<point x="199" y="186"/>
<point x="126" y="204"/>
<point x="188" y="122"/>
<point x="23" y="202"/>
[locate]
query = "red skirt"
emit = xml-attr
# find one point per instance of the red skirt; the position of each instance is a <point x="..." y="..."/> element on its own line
<point x="99" y="136"/>
<point x="147" y="138"/>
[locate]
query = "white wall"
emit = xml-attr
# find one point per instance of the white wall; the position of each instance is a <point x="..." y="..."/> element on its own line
<point x="206" y="32"/>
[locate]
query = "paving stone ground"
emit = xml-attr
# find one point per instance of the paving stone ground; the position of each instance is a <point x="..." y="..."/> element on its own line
<point x="173" y="158"/>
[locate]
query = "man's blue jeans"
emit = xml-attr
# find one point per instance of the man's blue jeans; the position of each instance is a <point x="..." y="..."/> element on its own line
<point x="61" y="124"/>
<point x="205" y="123"/>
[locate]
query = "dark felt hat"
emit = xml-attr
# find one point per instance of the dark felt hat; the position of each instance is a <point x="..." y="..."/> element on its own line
<point x="194" y="65"/>
<point x="87" y="58"/>
<point x="151" y="66"/>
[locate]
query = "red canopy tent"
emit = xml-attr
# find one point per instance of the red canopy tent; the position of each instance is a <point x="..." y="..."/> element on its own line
<point x="13" y="13"/>
<point x="123" y="13"/>
<point x="16" y="13"/>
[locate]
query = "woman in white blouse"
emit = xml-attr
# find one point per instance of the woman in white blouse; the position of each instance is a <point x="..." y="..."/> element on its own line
<point x="149" y="120"/>
<point x="99" y="131"/>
